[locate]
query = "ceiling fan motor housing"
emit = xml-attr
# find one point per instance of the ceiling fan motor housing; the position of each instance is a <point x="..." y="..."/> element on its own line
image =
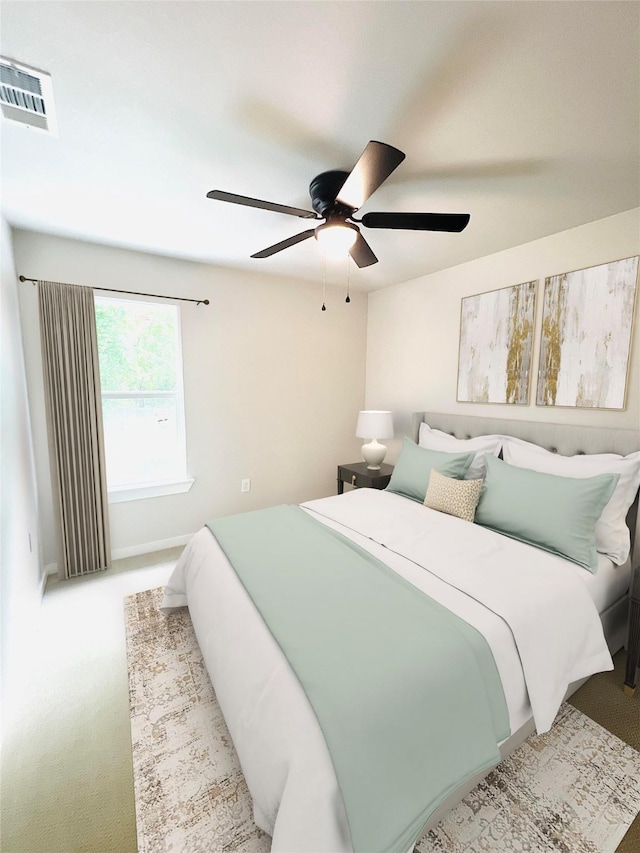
<point x="323" y="190"/>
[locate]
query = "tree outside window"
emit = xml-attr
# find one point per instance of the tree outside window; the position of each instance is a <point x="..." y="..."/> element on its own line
<point x="142" y="395"/>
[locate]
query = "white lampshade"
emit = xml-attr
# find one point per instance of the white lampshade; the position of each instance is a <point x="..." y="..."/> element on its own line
<point x="374" y="425"/>
<point x="336" y="240"/>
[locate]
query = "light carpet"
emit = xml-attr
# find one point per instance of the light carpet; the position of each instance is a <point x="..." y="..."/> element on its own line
<point x="575" y="789"/>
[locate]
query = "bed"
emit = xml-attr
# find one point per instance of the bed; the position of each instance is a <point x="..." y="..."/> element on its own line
<point x="283" y="751"/>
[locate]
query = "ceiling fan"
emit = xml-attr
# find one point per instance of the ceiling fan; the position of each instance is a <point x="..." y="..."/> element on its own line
<point x="337" y="195"/>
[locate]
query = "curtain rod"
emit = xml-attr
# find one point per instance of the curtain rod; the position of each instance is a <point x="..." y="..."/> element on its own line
<point x="130" y="292"/>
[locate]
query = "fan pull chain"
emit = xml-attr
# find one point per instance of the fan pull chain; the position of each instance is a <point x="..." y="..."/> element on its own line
<point x="324" y="281"/>
<point x="348" y="299"/>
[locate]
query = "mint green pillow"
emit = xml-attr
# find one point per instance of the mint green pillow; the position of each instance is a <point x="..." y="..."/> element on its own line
<point x="410" y="476"/>
<point x="557" y="514"/>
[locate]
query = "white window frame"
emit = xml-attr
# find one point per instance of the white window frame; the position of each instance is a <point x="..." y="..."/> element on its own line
<point x="142" y="491"/>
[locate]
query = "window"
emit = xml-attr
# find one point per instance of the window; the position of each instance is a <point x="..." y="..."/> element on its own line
<point x="142" y="398"/>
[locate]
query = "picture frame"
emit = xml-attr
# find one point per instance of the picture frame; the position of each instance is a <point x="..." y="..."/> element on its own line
<point x="587" y="334"/>
<point x="496" y="343"/>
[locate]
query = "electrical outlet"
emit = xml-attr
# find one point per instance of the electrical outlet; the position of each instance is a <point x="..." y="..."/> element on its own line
<point x="245" y="485"/>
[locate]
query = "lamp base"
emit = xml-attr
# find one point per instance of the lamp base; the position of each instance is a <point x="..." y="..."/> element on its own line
<point x="373" y="453"/>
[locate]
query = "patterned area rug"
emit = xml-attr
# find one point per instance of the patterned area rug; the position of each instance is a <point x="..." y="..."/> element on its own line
<point x="575" y="789"/>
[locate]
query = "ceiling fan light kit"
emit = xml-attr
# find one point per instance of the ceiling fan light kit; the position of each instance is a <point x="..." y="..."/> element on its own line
<point x="335" y="197"/>
<point x="336" y="238"/>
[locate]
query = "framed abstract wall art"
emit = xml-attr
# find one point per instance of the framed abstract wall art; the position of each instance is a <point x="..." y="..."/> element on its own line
<point x="585" y="346"/>
<point x="496" y="338"/>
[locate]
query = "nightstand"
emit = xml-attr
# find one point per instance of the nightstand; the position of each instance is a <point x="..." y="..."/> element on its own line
<point x="633" y="642"/>
<point x="360" y="477"/>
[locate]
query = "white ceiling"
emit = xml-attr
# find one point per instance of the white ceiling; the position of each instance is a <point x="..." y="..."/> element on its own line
<point x="524" y="114"/>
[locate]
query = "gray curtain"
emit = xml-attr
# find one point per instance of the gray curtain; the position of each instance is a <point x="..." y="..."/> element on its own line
<point x="74" y="427"/>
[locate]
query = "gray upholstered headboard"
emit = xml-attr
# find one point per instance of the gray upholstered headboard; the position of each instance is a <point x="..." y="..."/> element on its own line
<point x="559" y="438"/>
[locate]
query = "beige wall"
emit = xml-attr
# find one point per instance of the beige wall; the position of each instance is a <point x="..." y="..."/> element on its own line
<point x="273" y="385"/>
<point x="20" y="563"/>
<point x="413" y="328"/>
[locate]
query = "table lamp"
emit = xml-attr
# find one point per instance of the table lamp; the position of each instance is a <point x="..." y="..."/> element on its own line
<point x="374" y="425"/>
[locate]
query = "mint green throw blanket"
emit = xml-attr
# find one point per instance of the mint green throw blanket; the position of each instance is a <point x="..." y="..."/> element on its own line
<point x="407" y="694"/>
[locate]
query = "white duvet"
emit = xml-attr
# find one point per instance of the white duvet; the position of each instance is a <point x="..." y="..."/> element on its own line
<point x="532" y="608"/>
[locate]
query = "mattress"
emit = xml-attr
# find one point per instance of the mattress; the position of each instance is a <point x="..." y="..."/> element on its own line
<point x="608" y="584"/>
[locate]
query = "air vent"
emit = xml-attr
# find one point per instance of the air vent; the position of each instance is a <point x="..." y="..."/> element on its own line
<point x="26" y="96"/>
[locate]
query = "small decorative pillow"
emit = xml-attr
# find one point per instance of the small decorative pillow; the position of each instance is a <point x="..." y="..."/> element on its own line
<point x="455" y="497"/>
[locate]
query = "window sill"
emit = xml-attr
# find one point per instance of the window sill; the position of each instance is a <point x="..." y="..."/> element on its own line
<point x="150" y="490"/>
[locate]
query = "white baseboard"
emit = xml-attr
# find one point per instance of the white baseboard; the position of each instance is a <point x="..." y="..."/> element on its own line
<point x="150" y="547"/>
<point x="131" y="551"/>
<point x="49" y="569"/>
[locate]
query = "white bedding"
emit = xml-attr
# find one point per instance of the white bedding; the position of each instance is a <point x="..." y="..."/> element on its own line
<point x="276" y="734"/>
<point x="607" y="584"/>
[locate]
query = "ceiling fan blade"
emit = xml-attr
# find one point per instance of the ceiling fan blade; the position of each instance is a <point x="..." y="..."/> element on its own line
<point x="291" y="241"/>
<point x="220" y="195"/>
<point x="376" y="163"/>
<point x="417" y="221"/>
<point x="361" y="253"/>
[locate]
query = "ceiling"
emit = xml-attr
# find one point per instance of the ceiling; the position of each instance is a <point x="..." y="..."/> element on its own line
<point x="523" y="114"/>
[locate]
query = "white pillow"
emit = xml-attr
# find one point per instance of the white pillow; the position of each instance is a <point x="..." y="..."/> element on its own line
<point x="434" y="439"/>
<point x="612" y="533"/>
